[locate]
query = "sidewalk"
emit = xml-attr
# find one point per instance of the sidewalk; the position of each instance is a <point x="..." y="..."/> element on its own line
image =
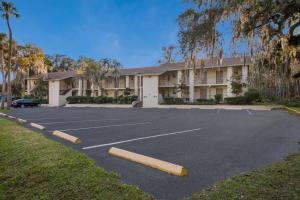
<point x="205" y="107"/>
<point x="99" y="105"/>
<point x="225" y="107"/>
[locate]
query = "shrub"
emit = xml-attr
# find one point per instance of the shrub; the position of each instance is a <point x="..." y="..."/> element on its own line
<point x="252" y="95"/>
<point x="236" y="100"/>
<point x="178" y="101"/>
<point x="236" y="87"/>
<point x="169" y="100"/>
<point x="80" y="99"/>
<point x="100" y="99"/>
<point x="293" y="104"/>
<point x="205" y="102"/>
<point x="218" y="98"/>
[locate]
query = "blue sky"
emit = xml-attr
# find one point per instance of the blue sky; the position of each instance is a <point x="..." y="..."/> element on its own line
<point x="132" y="31"/>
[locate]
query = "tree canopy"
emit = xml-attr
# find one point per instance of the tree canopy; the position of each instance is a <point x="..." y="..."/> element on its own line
<point x="269" y="27"/>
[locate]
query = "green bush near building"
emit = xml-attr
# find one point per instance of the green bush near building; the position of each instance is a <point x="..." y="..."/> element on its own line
<point x="101" y="99"/>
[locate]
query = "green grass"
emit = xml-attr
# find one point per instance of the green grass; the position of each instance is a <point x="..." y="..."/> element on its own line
<point x="277" y="181"/>
<point x="5" y="110"/>
<point x="34" y="167"/>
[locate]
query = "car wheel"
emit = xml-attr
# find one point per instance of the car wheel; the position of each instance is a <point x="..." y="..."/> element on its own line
<point x="22" y="106"/>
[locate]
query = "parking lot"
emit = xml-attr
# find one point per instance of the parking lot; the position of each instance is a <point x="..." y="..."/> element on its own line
<point x="211" y="144"/>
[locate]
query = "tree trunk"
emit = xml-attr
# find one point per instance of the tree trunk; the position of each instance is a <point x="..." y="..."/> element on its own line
<point x="3" y="79"/>
<point x="9" y="65"/>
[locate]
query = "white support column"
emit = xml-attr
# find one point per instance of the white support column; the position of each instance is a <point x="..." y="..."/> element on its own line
<point x="141" y="89"/>
<point x="245" y="74"/>
<point x="80" y="87"/>
<point x="191" y="85"/>
<point x="28" y="86"/>
<point x="136" y="85"/>
<point x="84" y="87"/>
<point x="179" y="81"/>
<point x="229" y="79"/>
<point x="127" y="82"/>
<point x="92" y="90"/>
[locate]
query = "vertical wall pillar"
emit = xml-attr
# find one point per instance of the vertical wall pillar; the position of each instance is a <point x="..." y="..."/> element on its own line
<point x="179" y="81"/>
<point x="84" y="86"/>
<point x="141" y="89"/>
<point x="28" y="86"/>
<point x="80" y="87"/>
<point x="127" y="82"/>
<point x="245" y="74"/>
<point x="136" y="85"/>
<point x="92" y="90"/>
<point x="229" y="79"/>
<point x="191" y="85"/>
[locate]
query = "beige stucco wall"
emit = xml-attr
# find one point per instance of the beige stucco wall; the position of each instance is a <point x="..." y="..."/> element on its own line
<point x="211" y="76"/>
<point x="168" y="79"/>
<point x="54" y="93"/>
<point x="150" y="91"/>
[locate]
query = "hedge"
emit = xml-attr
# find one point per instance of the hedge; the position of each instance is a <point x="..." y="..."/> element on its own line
<point x="172" y="101"/>
<point x="101" y="99"/>
<point x="236" y="100"/>
<point x="205" y="102"/>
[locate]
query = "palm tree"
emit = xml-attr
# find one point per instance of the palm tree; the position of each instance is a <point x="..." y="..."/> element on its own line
<point x="8" y="9"/>
<point x="115" y="67"/>
<point x="3" y="41"/>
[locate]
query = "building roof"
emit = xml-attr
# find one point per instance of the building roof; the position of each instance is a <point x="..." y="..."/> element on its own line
<point x="158" y="70"/>
<point x="60" y="75"/>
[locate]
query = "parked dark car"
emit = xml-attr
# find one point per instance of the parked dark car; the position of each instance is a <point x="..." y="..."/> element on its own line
<point x="25" y="103"/>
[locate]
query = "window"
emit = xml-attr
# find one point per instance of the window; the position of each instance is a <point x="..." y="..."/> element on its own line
<point x="219" y="76"/>
<point x="203" y="93"/>
<point x="204" y="80"/>
<point x="219" y="91"/>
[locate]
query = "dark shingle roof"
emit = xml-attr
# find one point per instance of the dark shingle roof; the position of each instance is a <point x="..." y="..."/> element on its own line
<point x="60" y="75"/>
<point x="157" y="70"/>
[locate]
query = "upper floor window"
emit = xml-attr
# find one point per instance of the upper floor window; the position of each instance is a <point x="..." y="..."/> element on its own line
<point x="203" y="80"/>
<point x="219" y="76"/>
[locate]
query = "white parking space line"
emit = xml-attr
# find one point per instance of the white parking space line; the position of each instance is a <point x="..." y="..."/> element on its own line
<point x="58" y="118"/>
<point x="142" y="138"/>
<point x="106" y="126"/>
<point x="249" y="112"/>
<point x="65" y="122"/>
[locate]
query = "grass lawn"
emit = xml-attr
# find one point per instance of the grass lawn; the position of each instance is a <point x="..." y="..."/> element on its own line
<point x="34" y="167"/>
<point x="5" y="110"/>
<point x="277" y="181"/>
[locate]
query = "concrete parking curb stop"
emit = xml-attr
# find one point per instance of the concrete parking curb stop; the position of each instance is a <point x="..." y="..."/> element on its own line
<point x="37" y="126"/>
<point x="66" y="136"/>
<point x="11" y="117"/>
<point x="21" y="120"/>
<point x="149" y="161"/>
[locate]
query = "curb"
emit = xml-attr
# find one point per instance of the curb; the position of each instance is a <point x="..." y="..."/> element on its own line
<point x="11" y="117"/>
<point x="37" y="126"/>
<point x="21" y="120"/>
<point x="291" y="109"/>
<point x="66" y="136"/>
<point x="149" y="161"/>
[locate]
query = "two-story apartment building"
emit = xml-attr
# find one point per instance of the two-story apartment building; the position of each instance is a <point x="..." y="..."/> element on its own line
<point x="153" y="84"/>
